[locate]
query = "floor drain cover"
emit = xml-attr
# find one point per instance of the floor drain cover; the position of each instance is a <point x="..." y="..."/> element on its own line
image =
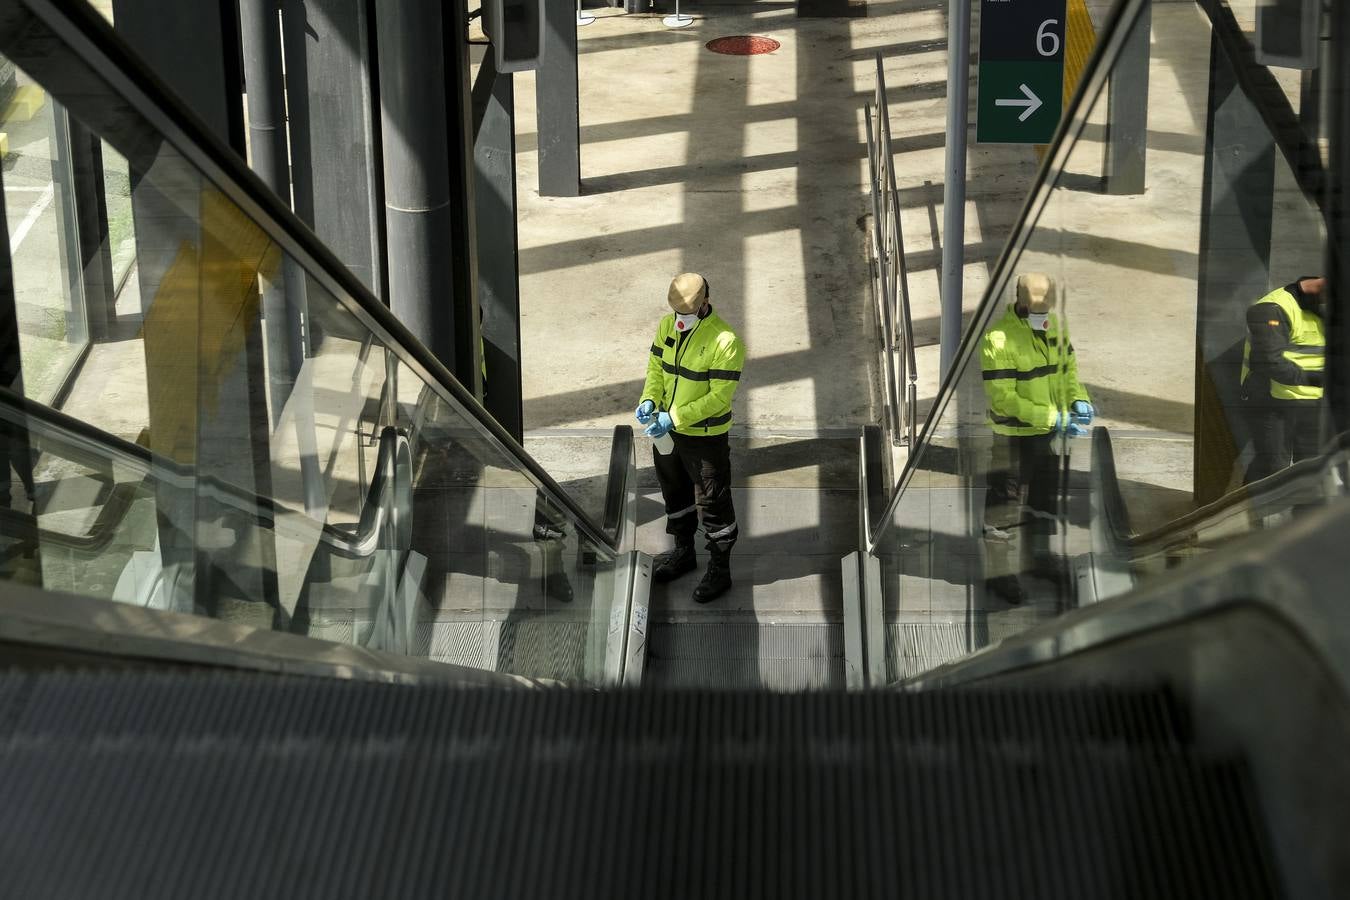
<point x="743" y="45"/>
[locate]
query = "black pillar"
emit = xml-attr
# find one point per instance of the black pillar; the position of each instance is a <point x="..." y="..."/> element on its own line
<point x="494" y="153"/>
<point x="1337" y="86"/>
<point x="424" y="100"/>
<point x="1234" y="268"/>
<point x="194" y="48"/>
<point x="260" y="34"/>
<point x="556" y="103"/>
<point x="334" y="129"/>
<point x="1127" y="110"/>
<point x="89" y="200"/>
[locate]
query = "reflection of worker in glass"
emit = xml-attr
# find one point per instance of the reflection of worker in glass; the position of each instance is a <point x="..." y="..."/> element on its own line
<point x="1031" y="384"/>
<point x="1282" y="374"/>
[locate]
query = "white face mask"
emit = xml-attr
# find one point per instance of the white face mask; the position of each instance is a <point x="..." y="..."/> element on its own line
<point x="1038" y="321"/>
<point x="685" y="323"/>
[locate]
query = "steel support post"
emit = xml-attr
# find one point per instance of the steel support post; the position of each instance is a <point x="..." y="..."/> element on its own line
<point x="334" y="130"/>
<point x="556" y="101"/>
<point x="1127" y="110"/>
<point x="424" y="132"/>
<point x="494" y="154"/>
<point x="284" y="303"/>
<point x="954" y="189"/>
<point x="1234" y="268"/>
<point x="1336" y="83"/>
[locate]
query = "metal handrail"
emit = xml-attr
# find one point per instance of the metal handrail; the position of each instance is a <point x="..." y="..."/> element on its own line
<point x="899" y="364"/>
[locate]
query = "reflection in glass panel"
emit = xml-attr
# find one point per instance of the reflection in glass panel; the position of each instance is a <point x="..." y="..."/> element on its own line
<point x="1146" y="379"/>
<point x="39" y="213"/>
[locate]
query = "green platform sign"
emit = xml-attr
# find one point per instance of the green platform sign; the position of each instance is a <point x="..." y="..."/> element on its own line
<point x="1021" y="84"/>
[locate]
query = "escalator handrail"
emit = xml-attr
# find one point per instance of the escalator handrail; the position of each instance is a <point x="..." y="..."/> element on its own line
<point x="92" y="43"/>
<point x="1111" y="38"/>
<point x="96" y="447"/>
<point x="1118" y="520"/>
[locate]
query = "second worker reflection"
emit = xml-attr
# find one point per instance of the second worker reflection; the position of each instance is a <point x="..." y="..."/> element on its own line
<point x="1034" y="395"/>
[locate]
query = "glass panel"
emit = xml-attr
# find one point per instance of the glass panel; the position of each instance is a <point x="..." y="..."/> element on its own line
<point x="1142" y="422"/>
<point x="257" y="450"/>
<point x="39" y="214"/>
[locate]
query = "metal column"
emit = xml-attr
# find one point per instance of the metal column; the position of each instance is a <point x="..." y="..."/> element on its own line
<point x="1234" y="268"/>
<point x="334" y="130"/>
<point x="556" y="102"/>
<point x="494" y="152"/>
<point x="1337" y="85"/>
<point x="954" y="189"/>
<point x="1127" y="110"/>
<point x="416" y="179"/>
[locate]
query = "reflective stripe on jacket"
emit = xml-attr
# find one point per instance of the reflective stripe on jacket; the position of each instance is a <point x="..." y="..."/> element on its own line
<point x="1027" y="381"/>
<point x="1290" y="348"/>
<point x="695" y="378"/>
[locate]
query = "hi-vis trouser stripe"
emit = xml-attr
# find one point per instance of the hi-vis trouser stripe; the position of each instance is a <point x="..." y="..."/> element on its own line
<point x="684" y="512"/>
<point x="721" y="533"/>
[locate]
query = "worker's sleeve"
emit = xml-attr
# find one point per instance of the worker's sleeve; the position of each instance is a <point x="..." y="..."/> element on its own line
<point x="723" y="378"/>
<point x="1268" y="329"/>
<point x="1076" y="389"/>
<point x="654" y="389"/>
<point x="999" y="369"/>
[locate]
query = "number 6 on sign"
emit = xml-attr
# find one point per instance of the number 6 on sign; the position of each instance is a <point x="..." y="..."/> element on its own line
<point x="1042" y="36"/>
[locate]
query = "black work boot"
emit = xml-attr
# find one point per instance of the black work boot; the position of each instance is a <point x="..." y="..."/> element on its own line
<point x="716" y="581"/>
<point x="674" y="563"/>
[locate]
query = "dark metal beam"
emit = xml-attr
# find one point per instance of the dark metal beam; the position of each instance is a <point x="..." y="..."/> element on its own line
<point x="334" y="130"/>
<point x="556" y="102"/>
<point x="494" y="153"/>
<point x="424" y="152"/>
<point x="1127" y="110"/>
<point x="1337" y="85"/>
<point x="1234" y="267"/>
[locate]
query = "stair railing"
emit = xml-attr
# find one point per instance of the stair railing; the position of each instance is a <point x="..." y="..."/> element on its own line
<point x="891" y="276"/>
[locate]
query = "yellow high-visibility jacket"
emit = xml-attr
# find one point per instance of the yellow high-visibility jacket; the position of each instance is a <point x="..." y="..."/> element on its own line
<point x="1028" y="381"/>
<point x="695" y="378"/>
<point x="1290" y="350"/>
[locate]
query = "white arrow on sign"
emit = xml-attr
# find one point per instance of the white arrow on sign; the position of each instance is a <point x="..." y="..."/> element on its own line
<point x="1032" y="103"/>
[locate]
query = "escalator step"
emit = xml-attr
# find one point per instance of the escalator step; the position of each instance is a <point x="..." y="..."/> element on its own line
<point x="150" y="785"/>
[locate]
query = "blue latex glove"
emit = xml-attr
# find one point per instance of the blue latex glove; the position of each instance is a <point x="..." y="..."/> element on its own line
<point x="644" y="412"/>
<point x="1083" y="413"/>
<point x="662" y="423"/>
<point x="1068" y="425"/>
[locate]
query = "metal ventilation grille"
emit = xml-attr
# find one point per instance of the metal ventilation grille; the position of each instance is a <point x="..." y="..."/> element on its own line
<point x="139" y="785"/>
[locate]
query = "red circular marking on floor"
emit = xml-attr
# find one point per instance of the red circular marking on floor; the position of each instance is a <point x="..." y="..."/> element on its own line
<point x="743" y="45"/>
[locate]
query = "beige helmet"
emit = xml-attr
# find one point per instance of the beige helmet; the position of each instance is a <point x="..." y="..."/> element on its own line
<point x="1035" y="292"/>
<point x="687" y="293"/>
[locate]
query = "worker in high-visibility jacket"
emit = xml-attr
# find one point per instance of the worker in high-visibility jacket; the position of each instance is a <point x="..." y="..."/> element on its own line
<point x="1034" y="395"/>
<point x="1282" y="365"/>
<point x="693" y="370"/>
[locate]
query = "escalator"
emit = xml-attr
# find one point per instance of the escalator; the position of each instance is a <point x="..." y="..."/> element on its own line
<point x="343" y="636"/>
<point x="351" y="494"/>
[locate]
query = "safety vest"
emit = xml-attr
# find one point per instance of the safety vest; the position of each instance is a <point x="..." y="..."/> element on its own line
<point x="1028" y="382"/>
<point x="1307" y="347"/>
<point x="695" y="379"/>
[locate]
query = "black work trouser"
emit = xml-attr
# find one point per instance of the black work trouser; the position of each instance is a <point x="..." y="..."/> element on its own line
<point x="1017" y="465"/>
<point x="1283" y="432"/>
<point x="696" y="484"/>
